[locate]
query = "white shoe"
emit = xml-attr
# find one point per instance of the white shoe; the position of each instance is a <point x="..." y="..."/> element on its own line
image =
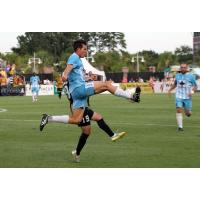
<point x="75" y="157"/>
<point x="117" y="136"/>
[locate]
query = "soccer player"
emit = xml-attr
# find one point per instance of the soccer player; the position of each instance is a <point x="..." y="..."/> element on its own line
<point x="80" y="90"/>
<point x="35" y="86"/>
<point x="59" y="84"/>
<point x="185" y="85"/>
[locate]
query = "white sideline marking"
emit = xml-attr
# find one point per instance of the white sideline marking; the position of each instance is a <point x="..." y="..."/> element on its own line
<point x="115" y="123"/>
<point x="3" y="110"/>
<point x="162" y="125"/>
<point x="20" y="120"/>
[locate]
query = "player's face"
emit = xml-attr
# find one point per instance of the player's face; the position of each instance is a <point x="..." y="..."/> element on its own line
<point x="82" y="52"/>
<point x="184" y="68"/>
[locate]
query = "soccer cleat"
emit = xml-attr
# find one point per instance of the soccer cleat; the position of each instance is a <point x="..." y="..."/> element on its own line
<point x="75" y="156"/>
<point x="180" y="129"/>
<point x="117" y="136"/>
<point x="44" y="121"/>
<point x="136" y="95"/>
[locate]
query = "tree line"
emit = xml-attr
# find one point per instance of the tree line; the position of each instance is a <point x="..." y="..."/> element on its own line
<point x="107" y="48"/>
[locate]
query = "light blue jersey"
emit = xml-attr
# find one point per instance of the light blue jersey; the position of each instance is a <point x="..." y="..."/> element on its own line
<point x="76" y="76"/>
<point x="184" y="84"/>
<point x="35" y="83"/>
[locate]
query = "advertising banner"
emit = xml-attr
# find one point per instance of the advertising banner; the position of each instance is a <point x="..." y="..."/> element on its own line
<point x="12" y="91"/>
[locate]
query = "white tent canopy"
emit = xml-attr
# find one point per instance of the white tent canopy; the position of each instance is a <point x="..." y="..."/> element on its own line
<point x="88" y="67"/>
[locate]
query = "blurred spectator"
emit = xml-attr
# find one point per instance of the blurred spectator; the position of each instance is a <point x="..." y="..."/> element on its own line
<point x="8" y="68"/>
<point x="125" y="80"/>
<point x="47" y="82"/>
<point x="140" y="80"/>
<point x="3" y="80"/>
<point x="10" y="81"/>
<point x="59" y="84"/>
<point x="21" y="80"/>
<point x="152" y="83"/>
<point x="131" y="80"/>
<point x="3" y="73"/>
<point x="12" y="70"/>
<point x="15" y="80"/>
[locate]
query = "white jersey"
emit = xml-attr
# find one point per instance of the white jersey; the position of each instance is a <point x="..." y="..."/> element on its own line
<point x="185" y="83"/>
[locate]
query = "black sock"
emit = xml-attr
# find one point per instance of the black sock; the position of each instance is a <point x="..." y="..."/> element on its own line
<point x="81" y="143"/>
<point x="102" y="124"/>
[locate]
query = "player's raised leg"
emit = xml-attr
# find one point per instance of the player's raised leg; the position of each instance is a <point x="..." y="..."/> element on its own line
<point x="66" y="119"/>
<point x="100" y="87"/>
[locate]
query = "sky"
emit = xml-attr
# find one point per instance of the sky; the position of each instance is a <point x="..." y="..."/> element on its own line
<point x="136" y="41"/>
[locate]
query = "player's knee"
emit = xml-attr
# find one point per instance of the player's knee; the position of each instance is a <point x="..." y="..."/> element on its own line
<point x="179" y="110"/>
<point x="86" y="130"/>
<point x="76" y="120"/>
<point x="107" y="84"/>
<point x="98" y="117"/>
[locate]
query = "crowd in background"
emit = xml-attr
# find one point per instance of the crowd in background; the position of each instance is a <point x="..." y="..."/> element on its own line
<point x="8" y="76"/>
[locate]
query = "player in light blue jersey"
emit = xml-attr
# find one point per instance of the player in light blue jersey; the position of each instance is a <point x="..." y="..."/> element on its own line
<point x="35" y="86"/>
<point x="80" y="90"/>
<point x="185" y="85"/>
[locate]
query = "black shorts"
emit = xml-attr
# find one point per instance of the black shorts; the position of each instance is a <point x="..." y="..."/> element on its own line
<point x="87" y="116"/>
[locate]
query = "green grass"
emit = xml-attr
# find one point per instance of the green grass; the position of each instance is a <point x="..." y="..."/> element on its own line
<point x="152" y="139"/>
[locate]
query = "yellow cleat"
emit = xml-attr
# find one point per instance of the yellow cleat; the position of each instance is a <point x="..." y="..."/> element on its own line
<point x="117" y="136"/>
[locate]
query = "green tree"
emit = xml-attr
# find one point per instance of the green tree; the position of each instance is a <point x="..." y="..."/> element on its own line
<point x="166" y="59"/>
<point x="184" y="54"/>
<point x="57" y="43"/>
<point x="104" y="41"/>
<point x="109" y="61"/>
<point x="151" y="59"/>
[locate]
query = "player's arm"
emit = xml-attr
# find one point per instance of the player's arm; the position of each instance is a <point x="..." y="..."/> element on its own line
<point x="66" y="72"/>
<point x="172" y="87"/>
<point x="194" y="87"/>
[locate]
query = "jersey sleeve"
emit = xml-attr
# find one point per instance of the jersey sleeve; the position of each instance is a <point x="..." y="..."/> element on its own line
<point x="194" y="83"/>
<point x="72" y="60"/>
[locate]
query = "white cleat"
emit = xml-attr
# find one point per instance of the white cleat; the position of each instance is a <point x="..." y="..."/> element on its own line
<point x="117" y="136"/>
<point x="75" y="157"/>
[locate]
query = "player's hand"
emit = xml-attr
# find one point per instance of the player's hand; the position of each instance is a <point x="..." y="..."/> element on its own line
<point x="190" y="94"/>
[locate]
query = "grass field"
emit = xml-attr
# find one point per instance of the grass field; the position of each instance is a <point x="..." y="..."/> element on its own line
<point x="152" y="139"/>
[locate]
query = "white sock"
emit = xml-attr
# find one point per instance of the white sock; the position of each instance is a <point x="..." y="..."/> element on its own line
<point x="33" y="97"/>
<point x="179" y="118"/>
<point x="62" y="119"/>
<point x="122" y="93"/>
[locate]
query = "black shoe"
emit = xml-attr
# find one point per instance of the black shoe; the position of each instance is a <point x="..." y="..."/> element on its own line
<point x="180" y="129"/>
<point x="136" y="95"/>
<point x="44" y="121"/>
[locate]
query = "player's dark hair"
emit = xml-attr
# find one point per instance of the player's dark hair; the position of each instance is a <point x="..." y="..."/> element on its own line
<point x="181" y="63"/>
<point x="79" y="44"/>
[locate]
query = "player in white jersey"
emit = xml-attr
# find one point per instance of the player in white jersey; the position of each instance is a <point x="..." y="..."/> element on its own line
<point x="185" y="85"/>
<point x="35" y="86"/>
